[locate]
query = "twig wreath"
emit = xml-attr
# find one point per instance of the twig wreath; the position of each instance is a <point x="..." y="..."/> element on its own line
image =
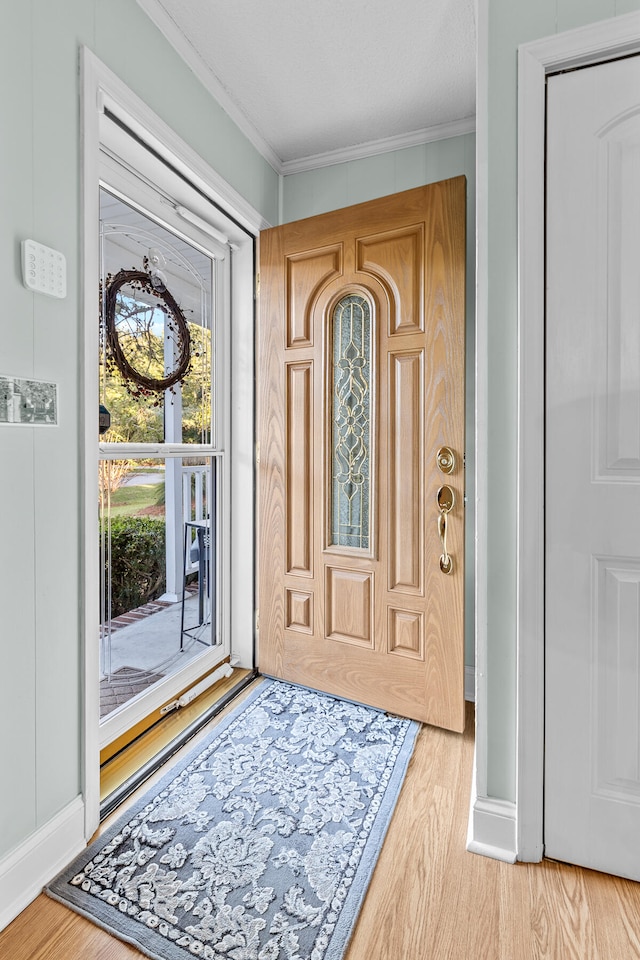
<point x="137" y="382"/>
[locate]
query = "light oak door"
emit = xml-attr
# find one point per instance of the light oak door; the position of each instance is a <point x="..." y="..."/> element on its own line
<point x="360" y="384"/>
<point x="592" y="658"/>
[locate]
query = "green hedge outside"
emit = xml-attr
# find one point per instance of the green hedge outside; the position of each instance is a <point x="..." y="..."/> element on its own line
<point x="138" y="565"/>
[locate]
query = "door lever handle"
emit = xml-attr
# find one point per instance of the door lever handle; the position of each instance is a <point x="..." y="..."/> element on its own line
<point x="446" y="500"/>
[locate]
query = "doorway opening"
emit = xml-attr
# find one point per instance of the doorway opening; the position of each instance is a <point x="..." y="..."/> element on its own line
<point x="361" y="432"/>
<point x="611" y="39"/>
<point x="162" y="524"/>
<point x="169" y="489"/>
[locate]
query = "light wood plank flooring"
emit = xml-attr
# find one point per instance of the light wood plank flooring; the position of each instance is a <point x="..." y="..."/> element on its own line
<point x="429" y="899"/>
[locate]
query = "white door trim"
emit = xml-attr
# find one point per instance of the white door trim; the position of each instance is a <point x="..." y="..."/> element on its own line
<point x="100" y="87"/>
<point x="597" y="42"/>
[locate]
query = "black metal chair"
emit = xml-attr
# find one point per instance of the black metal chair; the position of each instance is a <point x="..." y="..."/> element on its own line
<point x="199" y="548"/>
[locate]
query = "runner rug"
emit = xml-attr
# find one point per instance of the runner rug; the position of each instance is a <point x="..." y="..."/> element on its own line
<point x="260" y="844"/>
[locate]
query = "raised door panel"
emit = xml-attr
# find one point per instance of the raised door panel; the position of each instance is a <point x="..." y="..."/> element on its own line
<point x="406" y="633"/>
<point x="396" y="258"/>
<point x="299" y="611"/>
<point x="299" y="468"/>
<point x="405" y="490"/>
<point x="618" y="211"/>
<point x="349" y="606"/>
<point x="615" y="708"/>
<point x="307" y="272"/>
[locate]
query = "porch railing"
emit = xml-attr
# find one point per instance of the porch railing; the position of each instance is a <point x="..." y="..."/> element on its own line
<point x="187" y="493"/>
<point x="195" y="497"/>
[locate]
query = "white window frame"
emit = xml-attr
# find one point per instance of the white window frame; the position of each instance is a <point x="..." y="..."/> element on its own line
<point x="127" y="185"/>
<point x="102" y="90"/>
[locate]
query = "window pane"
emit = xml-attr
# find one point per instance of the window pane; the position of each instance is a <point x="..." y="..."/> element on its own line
<point x="156" y="330"/>
<point x="159" y="571"/>
<point x="351" y="440"/>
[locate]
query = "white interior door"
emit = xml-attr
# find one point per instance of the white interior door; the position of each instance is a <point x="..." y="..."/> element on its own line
<point x="592" y="753"/>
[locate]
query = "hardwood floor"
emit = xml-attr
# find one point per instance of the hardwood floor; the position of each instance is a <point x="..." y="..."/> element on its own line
<point x="429" y="899"/>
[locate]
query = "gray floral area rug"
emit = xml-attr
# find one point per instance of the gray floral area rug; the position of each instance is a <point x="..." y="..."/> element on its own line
<point x="260" y="844"/>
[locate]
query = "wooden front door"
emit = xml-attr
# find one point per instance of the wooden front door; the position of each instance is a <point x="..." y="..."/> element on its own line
<point x="360" y="384"/>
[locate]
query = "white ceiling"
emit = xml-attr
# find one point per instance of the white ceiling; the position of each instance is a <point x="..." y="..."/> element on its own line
<point x="305" y="78"/>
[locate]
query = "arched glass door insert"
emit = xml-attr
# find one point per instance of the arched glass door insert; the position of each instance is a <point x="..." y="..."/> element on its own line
<point x="351" y="423"/>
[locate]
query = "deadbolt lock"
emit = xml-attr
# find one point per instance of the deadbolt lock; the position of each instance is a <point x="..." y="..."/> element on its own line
<point x="446" y="460"/>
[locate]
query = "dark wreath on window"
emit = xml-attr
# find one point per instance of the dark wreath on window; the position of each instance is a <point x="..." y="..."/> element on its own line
<point x="135" y="340"/>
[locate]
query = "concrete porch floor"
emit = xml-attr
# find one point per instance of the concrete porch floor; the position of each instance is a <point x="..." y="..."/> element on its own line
<point x="139" y="654"/>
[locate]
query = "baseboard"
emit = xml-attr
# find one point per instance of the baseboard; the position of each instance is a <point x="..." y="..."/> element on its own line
<point x="470" y="684"/>
<point x="25" y="870"/>
<point x="492" y="829"/>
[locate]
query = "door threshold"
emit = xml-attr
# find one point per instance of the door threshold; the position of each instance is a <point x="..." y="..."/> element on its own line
<point x="122" y="774"/>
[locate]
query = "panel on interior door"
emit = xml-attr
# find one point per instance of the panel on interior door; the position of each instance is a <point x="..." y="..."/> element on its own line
<point x="616" y="692"/>
<point x="619" y="231"/>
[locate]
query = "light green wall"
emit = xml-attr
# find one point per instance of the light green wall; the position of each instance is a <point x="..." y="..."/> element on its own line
<point x="511" y="22"/>
<point x="40" y="601"/>
<point x="162" y="80"/>
<point x="340" y="185"/>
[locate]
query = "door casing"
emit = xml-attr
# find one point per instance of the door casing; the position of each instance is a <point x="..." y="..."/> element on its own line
<point x="102" y="89"/>
<point x="596" y="43"/>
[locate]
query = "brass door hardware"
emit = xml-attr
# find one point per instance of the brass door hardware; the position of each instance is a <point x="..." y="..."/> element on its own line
<point x="446" y="460"/>
<point x="446" y="500"/>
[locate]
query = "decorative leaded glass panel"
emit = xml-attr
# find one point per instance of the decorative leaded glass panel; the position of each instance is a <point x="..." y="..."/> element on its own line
<point x="351" y="428"/>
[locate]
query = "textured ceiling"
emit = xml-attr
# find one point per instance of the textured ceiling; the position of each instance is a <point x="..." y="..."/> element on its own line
<point x="312" y="76"/>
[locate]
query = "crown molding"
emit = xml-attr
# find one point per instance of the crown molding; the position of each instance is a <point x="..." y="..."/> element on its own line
<point x="440" y="131"/>
<point x="170" y="30"/>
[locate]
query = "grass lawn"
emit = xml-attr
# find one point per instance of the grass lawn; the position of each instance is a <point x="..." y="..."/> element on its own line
<point x="130" y="501"/>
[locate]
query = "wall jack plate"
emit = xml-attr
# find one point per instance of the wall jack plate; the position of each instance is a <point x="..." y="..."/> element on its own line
<point x="44" y="270"/>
